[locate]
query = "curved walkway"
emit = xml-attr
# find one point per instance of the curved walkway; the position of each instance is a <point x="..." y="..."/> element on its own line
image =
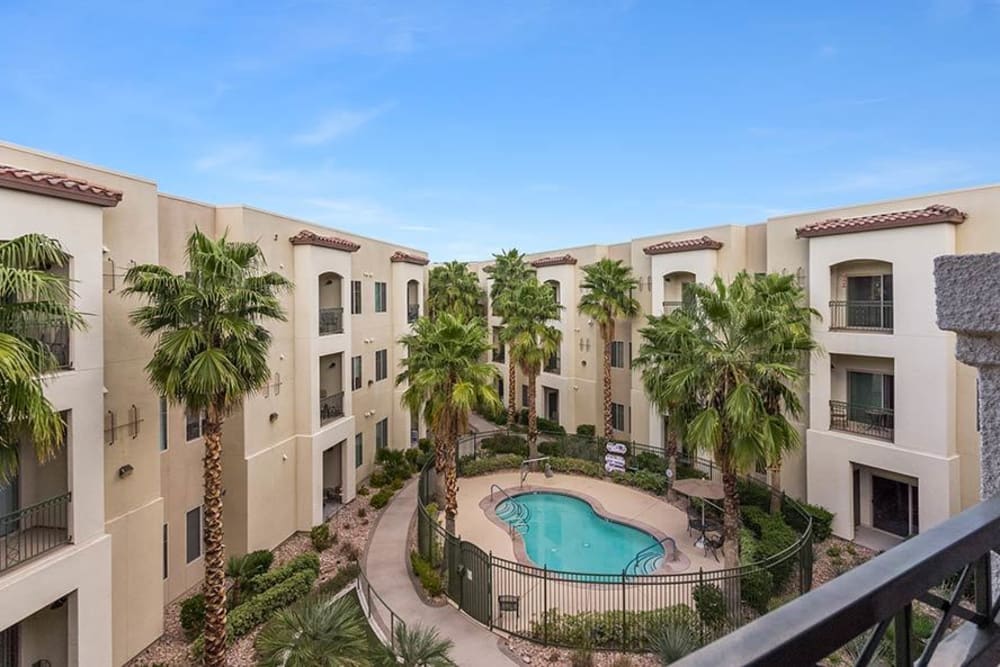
<point x="386" y="566"/>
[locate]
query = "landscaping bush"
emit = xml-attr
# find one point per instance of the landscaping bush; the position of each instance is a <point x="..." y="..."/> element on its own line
<point x="581" y="657"/>
<point x="651" y="462"/>
<point x="710" y="604"/>
<point x="574" y="447"/>
<point x="339" y="581"/>
<point x="822" y="518"/>
<point x="605" y="629"/>
<point x="425" y="445"/>
<point x="673" y="641"/>
<point x="549" y="426"/>
<point x="394" y="463"/>
<point x="577" y="467"/>
<point x="586" y="429"/>
<point x="506" y="444"/>
<point x="775" y="536"/>
<point x="381" y="499"/>
<point x="350" y="551"/>
<point x="362" y="490"/>
<point x="320" y="536"/>
<point x="193" y="616"/>
<point x="429" y="577"/>
<point x="302" y="562"/>
<point x="378" y="478"/>
<point x="753" y="494"/>
<point x="643" y="479"/>
<point x="414" y="458"/>
<point x="685" y="471"/>
<point x="757" y="586"/>
<point x="470" y="468"/>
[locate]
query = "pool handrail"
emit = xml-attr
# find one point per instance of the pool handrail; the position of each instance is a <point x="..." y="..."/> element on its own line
<point x="518" y="516"/>
<point x="524" y="466"/>
<point x="635" y="559"/>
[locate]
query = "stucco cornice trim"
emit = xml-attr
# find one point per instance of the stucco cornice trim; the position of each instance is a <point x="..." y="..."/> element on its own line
<point x="553" y="261"/>
<point x="400" y="256"/>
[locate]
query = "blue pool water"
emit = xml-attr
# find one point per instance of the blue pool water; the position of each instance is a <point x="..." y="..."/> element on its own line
<point x="564" y="533"/>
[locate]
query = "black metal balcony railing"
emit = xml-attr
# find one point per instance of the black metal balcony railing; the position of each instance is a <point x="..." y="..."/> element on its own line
<point x="331" y="407"/>
<point x="553" y="365"/>
<point x="499" y="355"/>
<point x="56" y="338"/>
<point x="946" y="567"/>
<point x="331" y="321"/>
<point x="671" y="306"/>
<point x="866" y="315"/>
<point x="412" y="312"/>
<point x="32" y="531"/>
<point x="867" y="420"/>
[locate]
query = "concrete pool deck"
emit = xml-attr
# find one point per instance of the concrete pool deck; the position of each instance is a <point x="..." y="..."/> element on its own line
<point x="474" y="525"/>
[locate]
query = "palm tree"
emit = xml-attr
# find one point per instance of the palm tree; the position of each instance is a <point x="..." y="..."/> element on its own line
<point x="210" y="353"/>
<point x="453" y="288"/>
<point x="509" y="271"/>
<point x="532" y="340"/>
<point x="32" y="300"/>
<point x="419" y="647"/>
<point x="318" y="631"/>
<point x="717" y="358"/>
<point x="445" y="379"/>
<point x="781" y="294"/>
<point x="607" y="296"/>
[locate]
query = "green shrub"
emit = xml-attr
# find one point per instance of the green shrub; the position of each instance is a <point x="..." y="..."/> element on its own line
<point x="586" y="430"/>
<point x="397" y="484"/>
<point x="577" y="467"/>
<point x="651" y="462"/>
<point x="643" y="479"/>
<point x="381" y="499"/>
<point x="822" y="518"/>
<point x="506" y="444"/>
<point x="605" y="629"/>
<point x="753" y="494"/>
<point x="432" y="510"/>
<point x="429" y="577"/>
<point x="350" y="551"/>
<point x="470" y="468"/>
<point x="756" y="586"/>
<point x="258" y="562"/>
<point x="362" y="490"/>
<point x="833" y="551"/>
<point x="394" y="463"/>
<point x="425" y="445"/>
<point x="710" y="604"/>
<point x="362" y="512"/>
<point x="378" y="478"/>
<point x="775" y="537"/>
<point x="549" y="426"/>
<point x="414" y="458"/>
<point x="193" y="616"/>
<point x="499" y="418"/>
<point x="688" y="472"/>
<point x="303" y="562"/>
<point x="339" y="581"/>
<point x="672" y="641"/>
<point x="320" y="536"/>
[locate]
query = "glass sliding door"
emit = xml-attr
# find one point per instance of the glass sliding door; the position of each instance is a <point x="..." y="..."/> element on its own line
<point x="869" y="301"/>
<point x="870" y="399"/>
<point x="894" y="506"/>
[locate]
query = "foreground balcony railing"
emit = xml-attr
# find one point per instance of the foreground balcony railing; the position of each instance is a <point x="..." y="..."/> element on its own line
<point x="331" y="407"/>
<point x="30" y="532"/>
<point x="412" y="312"/>
<point x="866" y="420"/>
<point x="56" y="339"/>
<point x="947" y="567"/>
<point x="331" y="321"/>
<point x="865" y="315"/>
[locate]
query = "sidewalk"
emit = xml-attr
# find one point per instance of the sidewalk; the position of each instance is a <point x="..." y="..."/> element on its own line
<point x="385" y="565"/>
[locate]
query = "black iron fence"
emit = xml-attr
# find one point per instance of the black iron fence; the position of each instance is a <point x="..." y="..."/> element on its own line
<point x="872" y="315"/>
<point x="33" y="531"/>
<point x="331" y="407"/>
<point x="606" y="611"/>
<point x="379" y="614"/>
<point x="331" y="321"/>
<point x="867" y="420"/>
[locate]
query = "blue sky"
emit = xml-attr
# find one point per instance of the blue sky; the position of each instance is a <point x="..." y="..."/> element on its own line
<point x="460" y="127"/>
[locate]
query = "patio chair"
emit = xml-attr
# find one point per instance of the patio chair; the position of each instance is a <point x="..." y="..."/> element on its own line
<point x="694" y="520"/>
<point x="714" y="542"/>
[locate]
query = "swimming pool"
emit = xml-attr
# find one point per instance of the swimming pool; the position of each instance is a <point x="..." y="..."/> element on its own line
<point x="564" y="533"/>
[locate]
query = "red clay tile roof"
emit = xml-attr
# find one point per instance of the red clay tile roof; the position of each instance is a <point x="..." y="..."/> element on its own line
<point x="553" y="261"/>
<point x="922" y="216"/>
<point x="400" y="256"/>
<point x="666" y="247"/>
<point x="305" y="237"/>
<point x="57" y="185"/>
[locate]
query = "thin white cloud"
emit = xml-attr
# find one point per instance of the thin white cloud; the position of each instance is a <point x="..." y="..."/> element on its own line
<point x="339" y="123"/>
<point x="227" y="156"/>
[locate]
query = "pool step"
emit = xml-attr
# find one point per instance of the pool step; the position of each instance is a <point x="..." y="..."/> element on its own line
<point x="515" y="514"/>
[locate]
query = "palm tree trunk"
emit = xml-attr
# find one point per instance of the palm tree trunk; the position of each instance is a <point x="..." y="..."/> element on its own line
<point x="214" y="586"/>
<point x="731" y="534"/>
<point x="776" y="495"/>
<point x="440" y="463"/>
<point x="451" y="484"/>
<point x="511" y="390"/>
<point x="608" y="428"/>
<point x="532" y="418"/>
<point x="672" y="464"/>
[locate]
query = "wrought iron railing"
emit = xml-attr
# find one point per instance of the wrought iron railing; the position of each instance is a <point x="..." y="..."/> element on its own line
<point x="412" y="312"/>
<point x="331" y="407"/>
<point x="946" y="567"/>
<point x="331" y="321"/>
<point x="868" y="315"/>
<point x="553" y="365"/>
<point x="671" y="306"/>
<point x="380" y="615"/>
<point x="867" y="420"/>
<point x="30" y="532"/>
<point x="56" y="339"/>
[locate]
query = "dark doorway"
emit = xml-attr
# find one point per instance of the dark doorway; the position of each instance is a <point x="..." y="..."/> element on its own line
<point x="892" y="506"/>
<point x="857" y="496"/>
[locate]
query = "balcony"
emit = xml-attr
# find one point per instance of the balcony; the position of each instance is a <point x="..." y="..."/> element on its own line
<point x="671" y="306"/>
<point x="552" y="365"/>
<point x="499" y="355"/>
<point x="866" y="420"/>
<point x="412" y="312"/>
<point x="331" y="407"/>
<point x="861" y="315"/>
<point x="56" y="339"/>
<point x="33" y="531"/>
<point x="331" y="321"/>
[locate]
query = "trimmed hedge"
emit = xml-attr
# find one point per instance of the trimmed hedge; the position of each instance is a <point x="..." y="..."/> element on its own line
<point x="757" y="587"/>
<point x="775" y="537"/>
<point x="506" y="444"/>
<point x="597" y="629"/>
<point x="429" y="577"/>
<point x="382" y="498"/>
<point x="576" y="466"/>
<point x="822" y="519"/>
<point x="586" y="429"/>
<point x="710" y="604"/>
<point x="471" y="468"/>
<point x="320" y="536"/>
<point x="643" y="479"/>
<point x="544" y="425"/>
<point x="301" y="563"/>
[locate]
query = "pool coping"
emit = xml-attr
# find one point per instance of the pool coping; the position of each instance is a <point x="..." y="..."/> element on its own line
<point x="488" y="505"/>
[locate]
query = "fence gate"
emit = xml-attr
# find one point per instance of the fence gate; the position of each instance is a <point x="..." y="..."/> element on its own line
<point x="476" y="584"/>
<point x="453" y="564"/>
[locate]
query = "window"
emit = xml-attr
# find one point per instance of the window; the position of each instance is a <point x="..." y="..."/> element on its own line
<point x="381" y="365"/>
<point x="618" y="416"/>
<point x="380" y="298"/>
<point x="355" y="297"/>
<point x="194" y="423"/>
<point x="165" y="551"/>
<point x="194" y="535"/>
<point x="617" y="354"/>
<point x="382" y="434"/>
<point x="868" y="391"/>
<point x="163" y="424"/>
<point x="869" y="301"/>
<point x="359" y="449"/>
<point x="356" y="372"/>
<point x="524" y="395"/>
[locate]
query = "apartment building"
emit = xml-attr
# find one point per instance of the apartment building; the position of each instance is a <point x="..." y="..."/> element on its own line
<point x="890" y="432"/>
<point x="119" y="511"/>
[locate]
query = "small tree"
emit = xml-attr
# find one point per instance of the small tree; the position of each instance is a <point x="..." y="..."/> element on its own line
<point x="317" y="631"/>
<point x="509" y="271"/>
